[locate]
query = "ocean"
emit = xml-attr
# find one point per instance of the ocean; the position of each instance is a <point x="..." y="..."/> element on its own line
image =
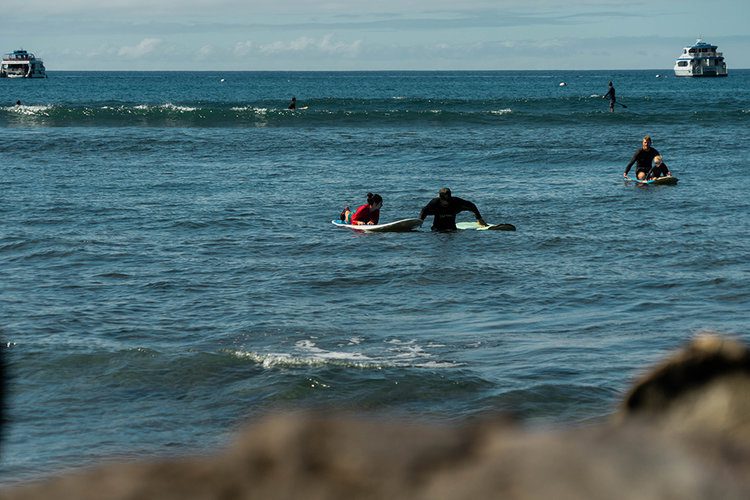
<point x="169" y="270"/>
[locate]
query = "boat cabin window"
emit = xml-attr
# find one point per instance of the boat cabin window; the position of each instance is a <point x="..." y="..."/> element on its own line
<point x="692" y="51"/>
<point x="682" y="63"/>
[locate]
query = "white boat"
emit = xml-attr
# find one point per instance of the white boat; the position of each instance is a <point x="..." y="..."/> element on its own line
<point x="22" y="64"/>
<point x="700" y="59"/>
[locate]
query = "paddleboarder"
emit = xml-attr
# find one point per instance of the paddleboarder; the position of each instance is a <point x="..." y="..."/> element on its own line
<point x="612" y="99"/>
<point x="293" y="104"/>
<point x="445" y="208"/>
<point x="643" y="157"/>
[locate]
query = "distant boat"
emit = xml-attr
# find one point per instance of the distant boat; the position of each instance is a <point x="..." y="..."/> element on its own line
<point x="700" y="59"/>
<point x="22" y="64"/>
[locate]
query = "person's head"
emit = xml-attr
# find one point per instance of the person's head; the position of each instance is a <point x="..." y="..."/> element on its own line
<point x="294" y="98"/>
<point x="610" y="84"/>
<point x="657" y="161"/>
<point x="375" y="201"/>
<point x="445" y="196"/>
<point x="646" y="142"/>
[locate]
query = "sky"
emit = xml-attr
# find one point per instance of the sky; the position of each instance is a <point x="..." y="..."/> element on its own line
<point x="249" y="35"/>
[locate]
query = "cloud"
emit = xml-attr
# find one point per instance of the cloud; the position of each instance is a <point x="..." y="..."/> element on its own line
<point x="326" y="45"/>
<point x="147" y="46"/>
<point x="242" y="49"/>
<point x="206" y="52"/>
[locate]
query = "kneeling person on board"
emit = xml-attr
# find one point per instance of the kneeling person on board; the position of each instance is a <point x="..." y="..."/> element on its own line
<point x="659" y="169"/>
<point x="369" y="213"/>
<point x="643" y="156"/>
<point x="445" y="208"/>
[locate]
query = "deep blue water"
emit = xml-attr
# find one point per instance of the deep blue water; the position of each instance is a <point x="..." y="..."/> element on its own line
<point x="168" y="269"/>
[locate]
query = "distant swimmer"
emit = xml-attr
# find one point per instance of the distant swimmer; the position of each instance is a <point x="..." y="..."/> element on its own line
<point x="643" y="157"/>
<point x="18" y="103"/>
<point x="445" y="208"/>
<point x="369" y="213"/>
<point x="293" y="104"/>
<point x="612" y="99"/>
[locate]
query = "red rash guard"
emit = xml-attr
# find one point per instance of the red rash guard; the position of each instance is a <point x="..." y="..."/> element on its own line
<point x="364" y="215"/>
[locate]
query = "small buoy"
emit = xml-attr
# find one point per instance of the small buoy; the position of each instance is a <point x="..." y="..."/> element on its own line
<point x="563" y="84"/>
<point x="658" y="76"/>
<point x="221" y="80"/>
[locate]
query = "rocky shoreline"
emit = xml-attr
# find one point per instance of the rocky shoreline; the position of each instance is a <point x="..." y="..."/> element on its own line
<point x="682" y="431"/>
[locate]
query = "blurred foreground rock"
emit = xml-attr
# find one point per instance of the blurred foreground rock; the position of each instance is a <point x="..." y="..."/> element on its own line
<point x="682" y="432"/>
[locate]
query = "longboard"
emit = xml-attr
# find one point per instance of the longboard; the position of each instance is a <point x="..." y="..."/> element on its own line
<point x="398" y="226"/>
<point x="659" y="181"/>
<point x="491" y="227"/>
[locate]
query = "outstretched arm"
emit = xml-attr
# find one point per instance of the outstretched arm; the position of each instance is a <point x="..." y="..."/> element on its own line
<point x="630" y="164"/>
<point x="427" y="210"/>
<point x="470" y="207"/>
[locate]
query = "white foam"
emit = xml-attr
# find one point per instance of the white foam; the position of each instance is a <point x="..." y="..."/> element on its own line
<point x="276" y="360"/>
<point x="307" y="353"/>
<point x="28" y="110"/>
<point x="505" y="111"/>
<point x="172" y="107"/>
<point x="257" y="111"/>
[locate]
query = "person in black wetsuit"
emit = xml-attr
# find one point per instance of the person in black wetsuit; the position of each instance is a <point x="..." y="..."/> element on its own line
<point x="445" y="207"/>
<point x="293" y="104"/>
<point x="660" y="169"/>
<point x="611" y="94"/>
<point x="643" y="156"/>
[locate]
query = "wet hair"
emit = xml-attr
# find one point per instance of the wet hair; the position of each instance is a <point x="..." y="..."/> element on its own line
<point x="610" y="84"/>
<point x="374" y="198"/>
<point x="647" y="138"/>
<point x="658" y="159"/>
<point x="444" y="193"/>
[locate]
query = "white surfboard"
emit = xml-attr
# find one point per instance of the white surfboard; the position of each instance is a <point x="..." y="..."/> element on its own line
<point x="492" y="227"/>
<point x="398" y="226"/>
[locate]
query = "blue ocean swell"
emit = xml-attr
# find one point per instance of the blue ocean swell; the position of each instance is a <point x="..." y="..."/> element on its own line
<point x="548" y="111"/>
<point x="161" y="283"/>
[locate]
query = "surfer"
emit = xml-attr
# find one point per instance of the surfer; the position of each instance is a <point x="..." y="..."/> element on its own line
<point x="659" y="169"/>
<point x="445" y="208"/>
<point x="293" y="104"/>
<point x="369" y="213"/>
<point x="643" y="156"/>
<point x="611" y="94"/>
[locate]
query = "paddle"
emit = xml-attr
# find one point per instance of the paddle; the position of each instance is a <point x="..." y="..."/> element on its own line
<point x="621" y="104"/>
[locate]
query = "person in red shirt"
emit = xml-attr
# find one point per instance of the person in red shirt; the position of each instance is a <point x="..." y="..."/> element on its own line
<point x="369" y="213"/>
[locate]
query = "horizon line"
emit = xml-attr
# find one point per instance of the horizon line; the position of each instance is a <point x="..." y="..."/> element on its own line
<point x="348" y="70"/>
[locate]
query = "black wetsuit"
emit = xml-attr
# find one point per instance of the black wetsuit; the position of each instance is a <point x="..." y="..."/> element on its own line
<point x="445" y="216"/>
<point x="658" y="171"/>
<point x="643" y="157"/>
<point x="611" y="94"/>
